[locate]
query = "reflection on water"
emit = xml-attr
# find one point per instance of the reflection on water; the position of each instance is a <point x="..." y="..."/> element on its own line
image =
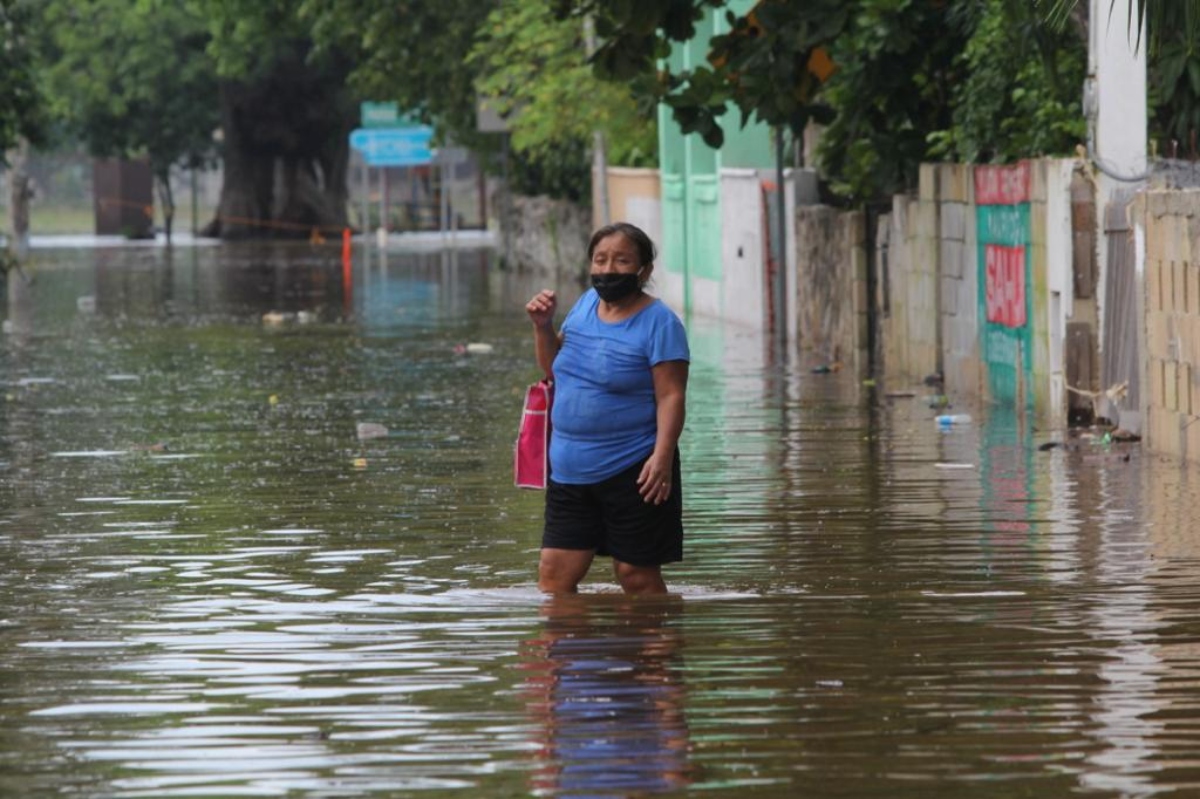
<point x="213" y="586"/>
<point x="605" y="684"/>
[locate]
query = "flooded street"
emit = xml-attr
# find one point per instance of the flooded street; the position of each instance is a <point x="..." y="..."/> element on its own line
<point x="212" y="586"/>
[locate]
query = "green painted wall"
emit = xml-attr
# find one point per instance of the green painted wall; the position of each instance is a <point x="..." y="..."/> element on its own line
<point x="1005" y="283"/>
<point x="690" y="170"/>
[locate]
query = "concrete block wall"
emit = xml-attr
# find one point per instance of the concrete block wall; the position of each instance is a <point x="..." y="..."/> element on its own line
<point x="933" y="319"/>
<point x="1037" y="288"/>
<point x="959" y="279"/>
<point x="930" y="288"/>
<point x="909" y="320"/>
<point x="832" y="300"/>
<point x="549" y="237"/>
<point x="1170" y="221"/>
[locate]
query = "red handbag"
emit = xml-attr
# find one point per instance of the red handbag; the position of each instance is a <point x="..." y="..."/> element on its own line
<point x="531" y="455"/>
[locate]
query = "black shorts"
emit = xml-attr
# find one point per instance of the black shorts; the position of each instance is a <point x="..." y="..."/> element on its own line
<point x="612" y="518"/>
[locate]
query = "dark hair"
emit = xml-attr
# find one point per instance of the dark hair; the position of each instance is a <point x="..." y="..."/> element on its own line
<point x="645" y="246"/>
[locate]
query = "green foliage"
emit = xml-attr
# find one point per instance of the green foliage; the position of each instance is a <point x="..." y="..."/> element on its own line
<point x="897" y="68"/>
<point x="248" y="37"/>
<point x="409" y="51"/>
<point x="20" y="101"/>
<point x="132" y="78"/>
<point x="770" y="60"/>
<point x="1020" y="95"/>
<point x="912" y="79"/>
<point x="534" y="71"/>
<point x="1170" y="30"/>
<point x="560" y="169"/>
<point x="413" y="53"/>
<point x="762" y="66"/>
<point x="1174" y="73"/>
<point x="632" y="37"/>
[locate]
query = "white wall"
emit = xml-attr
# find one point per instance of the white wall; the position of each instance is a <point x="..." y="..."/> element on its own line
<point x="1060" y="288"/>
<point x="646" y="213"/>
<point x="801" y="185"/>
<point x="1115" y="103"/>
<point x="742" y="297"/>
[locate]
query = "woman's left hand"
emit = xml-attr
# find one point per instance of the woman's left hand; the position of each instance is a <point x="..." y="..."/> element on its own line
<point x="654" y="483"/>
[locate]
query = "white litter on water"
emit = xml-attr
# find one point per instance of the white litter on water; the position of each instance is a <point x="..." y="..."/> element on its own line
<point x="366" y="430"/>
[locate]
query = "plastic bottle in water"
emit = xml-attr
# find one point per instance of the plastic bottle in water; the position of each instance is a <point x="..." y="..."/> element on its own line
<point x="950" y="419"/>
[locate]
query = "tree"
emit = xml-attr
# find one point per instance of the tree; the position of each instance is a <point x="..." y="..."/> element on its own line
<point x="534" y="71"/>
<point x="408" y="51"/>
<point x="1020" y="92"/>
<point x="770" y="65"/>
<point x="20" y="101"/>
<point x="897" y="69"/>
<point x="896" y="81"/>
<point x="1172" y="38"/>
<point x="1173" y="79"/>
<point x="132" y="78"/>
<point x="285" y="118"/>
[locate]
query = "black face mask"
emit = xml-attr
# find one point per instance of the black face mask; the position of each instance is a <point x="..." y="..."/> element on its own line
<point x="616" y="287"/>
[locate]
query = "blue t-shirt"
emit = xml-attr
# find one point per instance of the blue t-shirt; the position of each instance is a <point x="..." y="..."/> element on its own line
<point x="605" y="418"/>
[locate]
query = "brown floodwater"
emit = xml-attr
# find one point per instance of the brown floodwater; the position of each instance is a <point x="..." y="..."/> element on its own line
<point x="213" y="586"/>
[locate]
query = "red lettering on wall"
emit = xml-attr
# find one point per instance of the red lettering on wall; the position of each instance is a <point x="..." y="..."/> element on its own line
<point x="1005" y="284"/>
<point x="1002" y="185"/>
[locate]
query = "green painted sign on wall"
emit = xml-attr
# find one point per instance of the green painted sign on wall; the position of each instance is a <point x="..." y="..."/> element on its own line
<point x="1002" y="195"/>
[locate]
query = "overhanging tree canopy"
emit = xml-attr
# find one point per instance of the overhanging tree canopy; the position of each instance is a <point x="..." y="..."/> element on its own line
<point x="20" y="101"/>
<point x="132" y="80"/>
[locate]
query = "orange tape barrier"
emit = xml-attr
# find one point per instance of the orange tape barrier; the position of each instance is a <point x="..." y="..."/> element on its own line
<point x="315" y="232"/>
<point x="148" y="210"/>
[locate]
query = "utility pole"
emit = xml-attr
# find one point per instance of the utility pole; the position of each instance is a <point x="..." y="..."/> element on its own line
<point x="599" y="146"/>
<point x="1115" y="106"/>
<point x="779" y="279"/>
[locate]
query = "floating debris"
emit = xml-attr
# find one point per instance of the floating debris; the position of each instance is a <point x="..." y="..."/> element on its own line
<point x="369" y="430"/>
<point x="89" y="453"/>
<point x="951" y="419"/>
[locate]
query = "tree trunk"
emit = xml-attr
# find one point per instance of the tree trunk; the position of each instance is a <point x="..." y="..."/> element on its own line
<point x="20" y="193"/>
<point x="286" y="154"/>
<point x="166" y="198"/>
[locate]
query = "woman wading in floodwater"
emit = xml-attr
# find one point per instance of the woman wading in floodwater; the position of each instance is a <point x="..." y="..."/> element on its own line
<point x="620" y="369"/>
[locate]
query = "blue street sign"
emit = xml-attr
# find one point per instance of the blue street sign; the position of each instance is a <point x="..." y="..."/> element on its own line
<point x="393" y="146"/>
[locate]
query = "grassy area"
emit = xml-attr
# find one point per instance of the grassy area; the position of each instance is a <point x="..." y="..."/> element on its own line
<point x="49" y="221"/>
<point x="56" y="220"/>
